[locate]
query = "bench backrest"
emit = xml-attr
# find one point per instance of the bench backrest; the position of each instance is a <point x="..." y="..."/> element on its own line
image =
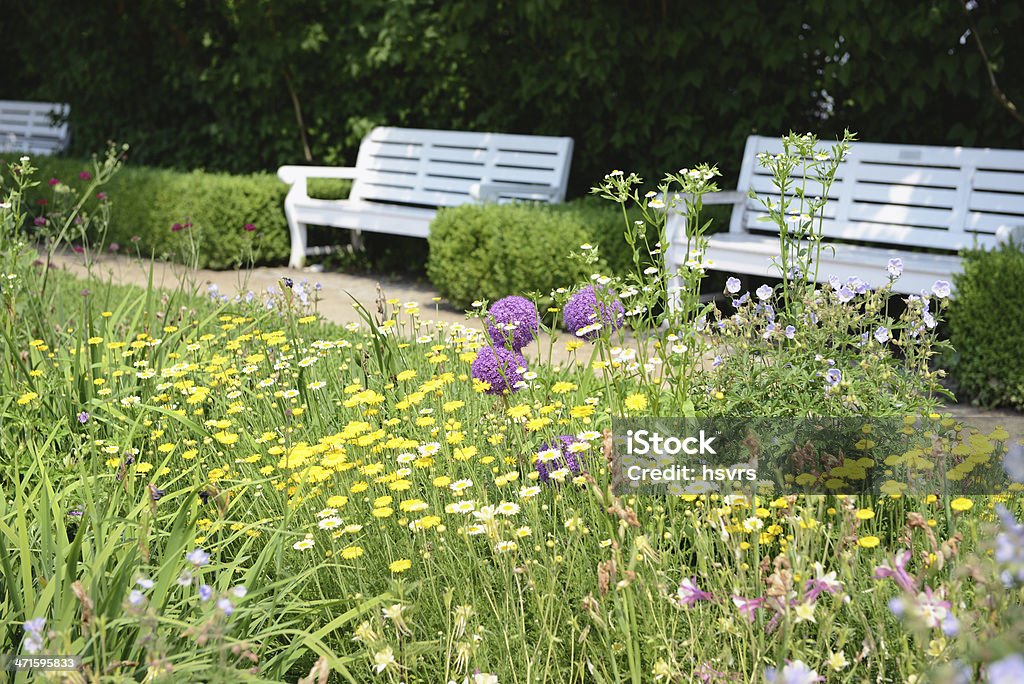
<point x="436" y="168"/>
<point x="33" y="127"/>
<point x="920" y="196"/>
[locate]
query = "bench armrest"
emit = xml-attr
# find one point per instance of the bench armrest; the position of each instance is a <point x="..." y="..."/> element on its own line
<point x="293" y="174"/>
<point x="1008" y="234"/>
<point x="489" y="192"/>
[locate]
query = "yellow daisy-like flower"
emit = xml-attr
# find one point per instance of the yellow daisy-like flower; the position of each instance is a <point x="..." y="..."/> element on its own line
<point x="636" y="402"/>
<point x="26" y="398"/>
<point x="400" y="565"/>
<point x="961" y="504"/>
<point x="868" y="542"/>
<point x="562" y="387"/>
<point x="351" y="552"/>
<point x="865" y="514"/>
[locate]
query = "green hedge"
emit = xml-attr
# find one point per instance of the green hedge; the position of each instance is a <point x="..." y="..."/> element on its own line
<point x="146" y="203"/>
<point x="490" y="251"/>
<point x="986" y="328"/>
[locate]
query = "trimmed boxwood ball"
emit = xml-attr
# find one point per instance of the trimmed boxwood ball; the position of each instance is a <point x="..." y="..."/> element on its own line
<point x="512" y="322"/>
<point x="499" y="367"/>
<point x="986" y="326"/>
<point x="585" y="310"/>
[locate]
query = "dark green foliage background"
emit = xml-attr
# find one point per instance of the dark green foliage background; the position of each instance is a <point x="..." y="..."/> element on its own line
<point x="986" y="324"/>
<point x="146" y="202"/>
<point x="649" y="85"/>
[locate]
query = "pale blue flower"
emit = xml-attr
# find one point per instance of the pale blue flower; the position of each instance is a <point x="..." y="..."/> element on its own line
<point x="882" y="335"/>
<point x="764" y="292"/>
<point x="198" y="557"/>
<point x="895" y="268"/>
<point x="941" y="289"/>
<point x="1009" y="670"/>
<point x="732" y="285"/>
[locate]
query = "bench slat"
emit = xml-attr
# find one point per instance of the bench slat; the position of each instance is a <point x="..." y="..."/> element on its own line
<point x="999" y="181"/>
<point x="997" y="202"/>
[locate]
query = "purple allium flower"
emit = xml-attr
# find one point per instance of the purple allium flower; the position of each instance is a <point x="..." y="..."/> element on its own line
<point x="882" y="335"/>
<point x="833" y="376"/>
<point x="584" y="315"/>
<point x="499" y="367"/>
<point x="689" y="593"/>
<point x="83" y="417"/>
<point x="764" y="292"/>
<point x="1009" y="670"/>
<point x="512" y="322"/>
<point x="205" y="592"/>
<point x="732" y="285"/>
<point x="566" y="458"/>
<point x="895" y="268"/>
<point x="941" y="289"/>
<point x="796" y="672"/>
<point x="198" y="557"/>
<point x="748" y="607"/>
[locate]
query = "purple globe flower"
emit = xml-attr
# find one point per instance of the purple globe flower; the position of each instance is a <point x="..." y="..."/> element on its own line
<point x="512" y="322"/>
<point x="584" y="315"/>
<point x="499" y="367"/>
<point x="566" y="458"/>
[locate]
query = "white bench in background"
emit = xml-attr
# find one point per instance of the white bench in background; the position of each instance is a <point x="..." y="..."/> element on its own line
<point x="33" y="127"/>
<point x="403" y="175"/>
<point x="894" y="200"/>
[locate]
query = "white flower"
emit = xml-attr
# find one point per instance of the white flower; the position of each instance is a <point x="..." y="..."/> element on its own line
<point x="384" y="659"/>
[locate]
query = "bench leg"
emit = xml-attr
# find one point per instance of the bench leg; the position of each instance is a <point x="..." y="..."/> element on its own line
<point x="298" y="233"/>
<point x="356" y="240"/>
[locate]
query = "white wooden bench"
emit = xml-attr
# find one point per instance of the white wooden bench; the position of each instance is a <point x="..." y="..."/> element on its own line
<point x="33" y="127"/>
<point x="891" y="200"/>
<point x="403" y="175"/>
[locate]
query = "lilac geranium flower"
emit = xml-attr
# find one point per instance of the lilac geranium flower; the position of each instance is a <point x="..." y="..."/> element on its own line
<point x="882" y="335"/>
<point x="833" y="376"/>
<point x="895" y="268"/>
<point x="764" y="292"/>
<point x="1009" y="670"/>
<point x="732" y="285"/>
<point x="198" y="557"/>
<point x="205" y="592"/>
<point x="790" y="331"/>
<point x="857" y="285"/>
<point x="845" y="294"/>
<point x="796" y="672"/>
<point x="941" y="289"/>
<point x="83" y="417"/>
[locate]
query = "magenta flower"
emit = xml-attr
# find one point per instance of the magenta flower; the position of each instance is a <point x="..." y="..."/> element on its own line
<point x="748" y="607"/>
<point x="249" y="227"/>
<point x="689" y="593"/>
<point x="176" y="227"/>
<point x="54" y="181"/>
<point x="898" y="572"/>
<point x="85" y="175"/>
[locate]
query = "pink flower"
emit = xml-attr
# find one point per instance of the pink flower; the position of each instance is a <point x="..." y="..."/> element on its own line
<point x="101" y="196"/>
<point x="689" y="593"/>
<point x="54" y="181"/>
<point x="85" y="175"/>
<point x="249" y="227"/>
<point x="898" y="572"/>
<point x="748" y="607"/>
<point x="176" y="227"/>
